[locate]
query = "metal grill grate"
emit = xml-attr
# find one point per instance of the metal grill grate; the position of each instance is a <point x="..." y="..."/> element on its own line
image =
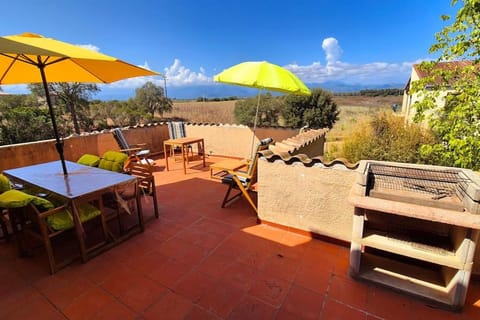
<point x="435" y="183"/>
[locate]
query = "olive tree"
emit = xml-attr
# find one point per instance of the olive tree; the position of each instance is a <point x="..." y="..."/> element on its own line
<point x="316" y="111"/>
<point x="151" y="97"/>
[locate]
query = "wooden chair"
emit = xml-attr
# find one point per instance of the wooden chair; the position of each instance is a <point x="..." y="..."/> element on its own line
<point x="135" y="152"/>
<point x="127" y="199"/>
<point x="146" y="182"/>
<point x="176" y="130"/>
<point x="244" y="180"/>
<point x="43" y="220"/>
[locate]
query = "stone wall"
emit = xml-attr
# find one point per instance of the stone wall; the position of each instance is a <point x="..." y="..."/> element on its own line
<point x="312" y="199"/>
<point x="221" y="140"/>
<point x="307" y="195"/>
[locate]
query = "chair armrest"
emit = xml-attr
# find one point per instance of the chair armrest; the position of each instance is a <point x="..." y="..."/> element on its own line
<point x="138" y="145"/>
<point x="242" y="174"/>
<point x="49" y="212"/>
<point x="130" y="149"/>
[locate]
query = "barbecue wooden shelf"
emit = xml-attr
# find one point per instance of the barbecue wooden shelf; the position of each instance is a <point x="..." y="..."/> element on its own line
<point x="407" y="252"/>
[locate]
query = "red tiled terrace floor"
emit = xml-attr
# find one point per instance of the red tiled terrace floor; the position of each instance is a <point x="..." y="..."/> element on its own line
<point x="199" y="261"/>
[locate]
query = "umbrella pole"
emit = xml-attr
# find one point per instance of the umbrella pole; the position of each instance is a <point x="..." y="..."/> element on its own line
<point x="255" y="123"/>
<point x="58" y="143"/>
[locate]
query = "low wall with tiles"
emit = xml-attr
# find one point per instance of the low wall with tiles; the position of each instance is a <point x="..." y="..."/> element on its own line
<point x="307" y="196"/>
<point x="311" y="199"/>
<point x="221" y="140"/>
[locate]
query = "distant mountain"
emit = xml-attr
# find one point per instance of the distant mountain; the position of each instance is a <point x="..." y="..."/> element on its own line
<point x="223" y="91"/>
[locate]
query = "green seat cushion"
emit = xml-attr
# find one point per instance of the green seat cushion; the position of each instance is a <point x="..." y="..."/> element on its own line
<point x="17" y="199"/>
<point x="64" y="219"/>
<point x="90" y="160"/>
<point x="113" y="161"/>
<point x="4" y="183"/>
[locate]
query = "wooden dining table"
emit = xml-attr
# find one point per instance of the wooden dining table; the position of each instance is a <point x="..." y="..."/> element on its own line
<point x="81" y="184"/>
<point x="184" y="143"/>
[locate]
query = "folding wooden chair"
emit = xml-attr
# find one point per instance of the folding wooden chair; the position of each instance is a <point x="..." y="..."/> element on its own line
<point x="135" y="152"/>
<point x="243" y="181"/>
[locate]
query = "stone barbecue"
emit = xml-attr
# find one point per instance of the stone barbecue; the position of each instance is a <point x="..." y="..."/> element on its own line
<point x="415" y="229"/>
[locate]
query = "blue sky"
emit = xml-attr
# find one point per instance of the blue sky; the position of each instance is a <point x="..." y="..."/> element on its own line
<point x="362" y="41"/>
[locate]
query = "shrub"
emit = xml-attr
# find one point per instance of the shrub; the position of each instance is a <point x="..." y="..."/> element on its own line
<point x="386" y="137"/>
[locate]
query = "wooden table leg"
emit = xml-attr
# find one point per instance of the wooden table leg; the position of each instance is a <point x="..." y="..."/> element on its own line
<point x="183" y="159"/>
<point x="166" y="155"/>
<point x="203" y="152"/>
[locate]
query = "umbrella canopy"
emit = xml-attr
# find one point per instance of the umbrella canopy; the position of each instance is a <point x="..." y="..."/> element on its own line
<point x="32" y="58"/>
<point x="263" y="76"/>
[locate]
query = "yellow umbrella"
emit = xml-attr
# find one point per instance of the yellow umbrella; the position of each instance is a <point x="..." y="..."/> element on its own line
<point x="32" y="58"/>
<point x="263" y="76"/>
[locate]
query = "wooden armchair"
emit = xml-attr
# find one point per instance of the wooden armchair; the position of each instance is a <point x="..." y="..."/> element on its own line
<point x="34" y="218"/>
<point x="126" y="200"/>
<point x="243" y="181"/>
<point x="136" y="152"/>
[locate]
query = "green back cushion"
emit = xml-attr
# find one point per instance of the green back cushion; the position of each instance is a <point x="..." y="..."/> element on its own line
<point x="4" y="183"/>
<point x="89" y="160"/>
<point x="113" y="161"/>
<point x="64" y="219"/>
<point x="17" y="199"/>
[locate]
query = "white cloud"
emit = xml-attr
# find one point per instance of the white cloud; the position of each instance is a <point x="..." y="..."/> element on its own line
<point x="336" y="70"/>
<point x="332" y="50"/>
<point x="178" y="75"/>
<point x="89" y="47"/>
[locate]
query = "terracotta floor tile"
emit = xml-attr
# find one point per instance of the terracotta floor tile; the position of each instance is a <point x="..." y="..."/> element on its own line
<point x="348" y="291"/>
<point x="420" y="311"/>
<point x="200" y="238"/>
<point x="240" y="276"/>
<point x="142" y="293"/>
<point x="88" y="304"/>
<point x="336" y="311"/>
<point x="280" y="266"/>
<point x="270" y="289"/>
<point x="194" y="285"/>
<point x="284" y="315"/>
<point x="251" y="308"/>
<point x="304" y="303"/>
<point x="319" y="258"/>
<point x="217" y="227"/>
<point x="120" y="281"/>
<point x="169" y="272"/>
<point x="36" y="307"/>
<point x="15" y="299"/>
<point x="62" y="295"/>
<point x="183" y="251"/>
<point x="114" y="311"/>
<point x="170" y="306"/>
<point x="221" y="298"/>
<point x="388" y="304"/>
<point x="313" y="278"/>
<point x="198" y="313"/>
<point x="216" y="263"/>
<point x="148" y="262"/>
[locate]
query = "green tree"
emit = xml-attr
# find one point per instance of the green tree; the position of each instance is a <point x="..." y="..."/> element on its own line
<point x="152" y="98"/>
<point x="269" y="110"/>
<point x="457" y="122"/>
<point x="25" y="124"/>
<point x="317" y="110"/>
<point x="72" y="97"/>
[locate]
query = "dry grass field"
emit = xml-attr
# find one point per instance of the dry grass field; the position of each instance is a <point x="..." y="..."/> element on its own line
<point x="352" y="108"/>
<point x="204" y="112"/>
